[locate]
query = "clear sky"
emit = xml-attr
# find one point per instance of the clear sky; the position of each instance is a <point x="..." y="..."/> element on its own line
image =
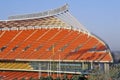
<point x="101" y="17"/>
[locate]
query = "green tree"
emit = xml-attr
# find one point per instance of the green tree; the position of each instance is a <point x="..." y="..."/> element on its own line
<point x="42" y="78"/>
<point x="49" y="78"/>
<point x="58" y="78"/>
<point x="23" y="79"/>
<point x="65" y="77"/>
<point x="31" y="78"/>
<point x="13" y="79"/>
<point x="74" y="77"/>
<point x="114" y="71"/>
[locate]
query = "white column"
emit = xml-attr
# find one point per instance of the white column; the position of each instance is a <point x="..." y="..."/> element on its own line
<point x="91" y="64"/>
<point x="106" y="67"/>
<point x="83" y="66"/>
<point x="48" y="69"/>
<point x="39" y="70"/>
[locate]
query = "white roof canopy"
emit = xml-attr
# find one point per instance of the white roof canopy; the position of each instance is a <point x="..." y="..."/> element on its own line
<point x="61" y="13"/>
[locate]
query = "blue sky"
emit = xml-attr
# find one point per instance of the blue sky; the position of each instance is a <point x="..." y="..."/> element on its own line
<point x="101" y="17"/>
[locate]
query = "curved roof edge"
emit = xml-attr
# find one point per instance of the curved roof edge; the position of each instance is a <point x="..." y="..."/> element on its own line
<point x="41" y="14"/>
<point x="102" y="41"/>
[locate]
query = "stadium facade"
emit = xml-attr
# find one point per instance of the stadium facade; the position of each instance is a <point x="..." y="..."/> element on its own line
<point x="50" y="43"/>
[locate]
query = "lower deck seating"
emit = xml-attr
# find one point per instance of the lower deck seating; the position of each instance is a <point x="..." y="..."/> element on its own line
<point x="11" y="75"/>
<point x="15" y="65"/>
<point x="16" y="75"/>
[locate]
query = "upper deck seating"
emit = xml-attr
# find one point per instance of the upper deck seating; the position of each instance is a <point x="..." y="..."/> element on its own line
<point x="36" y="38"/>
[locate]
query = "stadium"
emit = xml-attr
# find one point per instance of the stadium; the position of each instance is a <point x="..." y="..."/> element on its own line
<point x="50" y="43"/>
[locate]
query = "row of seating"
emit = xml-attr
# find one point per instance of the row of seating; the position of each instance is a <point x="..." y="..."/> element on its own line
<point x="18" y="40"/>
<point x="60" y="45"/>
<point x="44" y="42"/>
<point x="5" y="39"/>
<point x="33" y="22"/>
<point x="15" y="65"/>
<point x="13" y="75"/>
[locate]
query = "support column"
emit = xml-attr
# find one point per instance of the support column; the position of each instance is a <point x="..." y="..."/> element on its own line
<point x="106" y="67"/>
<point x="39" y="70"/>
<point x="48" y="69"/>
<point x="83" y="66"/>
<point x="101" y="65"/>
<point x="91" y="63"/>
<point x="106" y="70"/>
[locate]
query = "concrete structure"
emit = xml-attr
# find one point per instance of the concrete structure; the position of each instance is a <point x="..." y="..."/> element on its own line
<point x="49" y="43"/>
